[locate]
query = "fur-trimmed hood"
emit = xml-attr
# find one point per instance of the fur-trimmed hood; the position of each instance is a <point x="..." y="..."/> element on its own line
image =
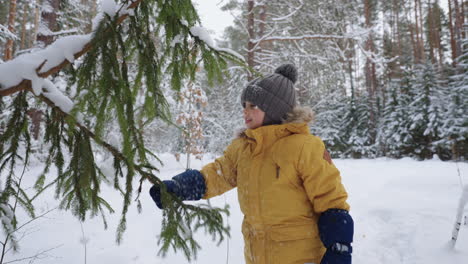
<point x="300" y="114"/>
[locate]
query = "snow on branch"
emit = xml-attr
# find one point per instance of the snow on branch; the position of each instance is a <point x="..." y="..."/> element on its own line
<point x="276" y="19"/>
<point x="308" y="36"/>
<point x="204" y="35"/>
<point x="26" y="72"/>
<point x="32" y="66"/>
<point x="6" y="34"/>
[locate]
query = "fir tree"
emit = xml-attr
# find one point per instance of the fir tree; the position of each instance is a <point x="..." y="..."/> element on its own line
<point x="357" y="129"/>
<point x="109" y="91"/>
<point x="393" y="136"/>
<point x="455" y="124"/>
<point x="424" y="112"/>
<point x="329" y="119"/>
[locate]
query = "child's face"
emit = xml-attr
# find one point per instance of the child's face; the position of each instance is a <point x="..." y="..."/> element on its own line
<point x="253" y="116"/>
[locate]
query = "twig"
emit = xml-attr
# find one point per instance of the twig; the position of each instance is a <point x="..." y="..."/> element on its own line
<point x="35" y="256"/>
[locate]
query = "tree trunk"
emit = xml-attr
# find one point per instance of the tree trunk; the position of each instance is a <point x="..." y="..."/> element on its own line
<point x="36" y="19"/>
<point x="261" y="26"/>
<point x="452" y="34"/>
<point x="88" y="16"/>
<point x="458" y="27"/>
<point x="93" y="13"/>
<point x="50" y="9"/>
<point x="421" y="40"/>
<point x="370" y="73"/>
<point x="49" y="24"/>
<point x="23" y="26"/>
<point x="462" y="17"/>
<point x="8" y="55"/>
<point x="431" y="28"/>
<point x="397" y="25"/>
<point x="251" y="32"/>
<point x="36" y="119"/>
<point x="438" y="39"/>
<point x="417" y="58"/>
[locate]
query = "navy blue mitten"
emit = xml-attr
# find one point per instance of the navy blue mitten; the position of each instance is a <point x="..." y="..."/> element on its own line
<point x="336" y="229"/>
<point x="188" y="186"/>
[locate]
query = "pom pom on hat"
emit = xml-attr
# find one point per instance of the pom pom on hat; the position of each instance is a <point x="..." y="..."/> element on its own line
<point x="289" y="71"/>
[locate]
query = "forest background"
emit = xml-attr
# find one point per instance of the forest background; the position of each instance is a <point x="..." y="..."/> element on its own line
<point x="385" y="78"/>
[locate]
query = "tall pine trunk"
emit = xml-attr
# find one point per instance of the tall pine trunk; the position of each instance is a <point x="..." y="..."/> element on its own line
<point x="24" y="42"/>
<point x="421" y="38"/>
<point x="417" y="58"/>
<point x="261" y="27"/>
<point x="370" y="69"/>
<point x="49" y="24"/>
<point x="37" y="11"/>
<point x="251" y="32"/>
<point x="8" y="54"/>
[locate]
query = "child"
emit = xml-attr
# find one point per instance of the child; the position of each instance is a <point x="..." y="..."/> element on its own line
<point x="294" y="204"/>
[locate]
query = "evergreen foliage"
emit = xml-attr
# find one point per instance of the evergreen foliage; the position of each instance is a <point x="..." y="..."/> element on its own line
<point x="329" y="120"/>
<point x="424" y="112"/>
<point x="394" y="137"/>
<point x="455" y="125"/>
<point x="119" y="84"/>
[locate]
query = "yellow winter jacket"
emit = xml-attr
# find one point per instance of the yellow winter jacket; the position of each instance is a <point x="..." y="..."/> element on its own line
<point x="284" y="180"/>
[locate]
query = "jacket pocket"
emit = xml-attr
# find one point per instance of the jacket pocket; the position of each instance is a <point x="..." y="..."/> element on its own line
<point x="295" y="232"/>
<point x="294" y="245"/>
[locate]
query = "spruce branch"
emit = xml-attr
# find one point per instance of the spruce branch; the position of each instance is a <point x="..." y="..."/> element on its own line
<point x="109" y="93"/>
<point x="27" y="85"/>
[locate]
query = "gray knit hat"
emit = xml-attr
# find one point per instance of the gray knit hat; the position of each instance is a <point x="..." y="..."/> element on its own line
<point x="273" y="94"/>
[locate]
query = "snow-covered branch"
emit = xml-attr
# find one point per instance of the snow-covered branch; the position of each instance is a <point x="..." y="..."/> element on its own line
<point x="6" y="34"/>
<point x="204" y="35"/>
<point x="27" y="71"/>
<point x="356" y="36"/>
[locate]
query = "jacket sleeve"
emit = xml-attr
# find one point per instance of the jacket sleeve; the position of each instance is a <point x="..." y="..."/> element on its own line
<point x="221" y="175"/>
<point x="321" y="179"/>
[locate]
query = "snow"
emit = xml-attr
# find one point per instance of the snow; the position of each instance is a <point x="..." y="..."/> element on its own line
<point x="203" y="34"/>
<point x="56" y="96"/>
<point x="403" y="211"/>
<point x="24" y="66"/>
<point x="6" y="34"/>
<point x="109" y="7"/>
<point x="177" y="40"/>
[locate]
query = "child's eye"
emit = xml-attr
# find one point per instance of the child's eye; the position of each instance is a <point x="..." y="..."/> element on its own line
<point x="249" y="106"/>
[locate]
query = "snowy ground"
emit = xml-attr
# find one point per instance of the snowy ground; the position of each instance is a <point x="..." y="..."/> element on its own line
<point x="404" y="212"/>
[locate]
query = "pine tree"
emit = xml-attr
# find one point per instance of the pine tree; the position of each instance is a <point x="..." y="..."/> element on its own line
<point x="455" y="124"/>
<point x="107" y="90"/>
<point x="330" y="115"/>
<point x="425" y="112"/>
<point x="358" y="128"/>
<point x="393" y="136"/>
